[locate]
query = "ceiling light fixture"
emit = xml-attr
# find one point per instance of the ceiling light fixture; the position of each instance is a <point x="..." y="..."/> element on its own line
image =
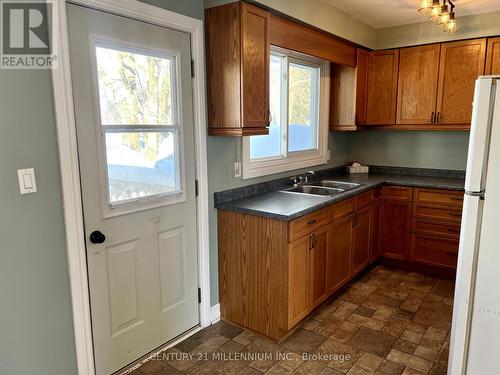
<point x="435" y="10"/>
<point x="425" y="7"/>
<point x="442" y="14"/>
<point x="451" y="26"/>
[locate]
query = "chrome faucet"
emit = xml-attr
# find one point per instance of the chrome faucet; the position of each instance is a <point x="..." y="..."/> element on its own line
<point x="308" y="176"/>
<point x="296" y="180"/>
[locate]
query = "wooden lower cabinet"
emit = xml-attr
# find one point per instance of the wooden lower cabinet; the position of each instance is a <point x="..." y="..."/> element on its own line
<point x="395" y="229"/>
<point x="375" y="245"/>
<point x="361" y="241"/>
<point x="338" y="256"/>
<point x="273" y="273"/>
<point x="437" y="215"/>
<point x="298" y="280"/>
<point x="434" y="251"/>
<point x="307" y="273"/>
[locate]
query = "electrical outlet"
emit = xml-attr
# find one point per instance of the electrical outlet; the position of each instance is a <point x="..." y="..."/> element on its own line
<point x="237" y="169"/>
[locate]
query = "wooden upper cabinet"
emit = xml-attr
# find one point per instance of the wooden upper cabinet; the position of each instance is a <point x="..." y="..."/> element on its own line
<point x="361" y="85"/>
<point x="493" y="56"/>
<point x="348" y="93"/>
<point x="255" y="57"/>
<point x="238" y="53"/>
<point x="461" y="63"/>
<point x="382" y="87"/>
<point x="417" y="84"/>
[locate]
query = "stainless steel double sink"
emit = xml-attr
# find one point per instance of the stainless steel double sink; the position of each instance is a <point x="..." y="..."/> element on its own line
<point x="324" y="188"/>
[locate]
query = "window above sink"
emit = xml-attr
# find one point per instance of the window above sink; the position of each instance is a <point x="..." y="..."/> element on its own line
<point x="298" y="132"/>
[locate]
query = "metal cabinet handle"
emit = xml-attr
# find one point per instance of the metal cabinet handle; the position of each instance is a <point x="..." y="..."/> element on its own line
<point x="311" y="222"/>
<point x="437" y="117"/>
<point x="312" y="241"/>
<point x="433" y="118"/>
<point x="355" y="220"/>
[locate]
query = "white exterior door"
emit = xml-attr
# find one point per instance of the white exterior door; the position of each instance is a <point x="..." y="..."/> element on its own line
<point x="133" y="108"/>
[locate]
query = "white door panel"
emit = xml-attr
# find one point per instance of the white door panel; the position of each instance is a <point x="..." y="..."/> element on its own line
<point x="134" y="116"/>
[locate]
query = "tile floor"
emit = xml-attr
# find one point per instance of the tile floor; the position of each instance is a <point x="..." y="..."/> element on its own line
<point x="387" y="322"/>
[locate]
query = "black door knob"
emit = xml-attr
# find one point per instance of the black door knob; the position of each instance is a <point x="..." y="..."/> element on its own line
<point x="97" y="237"/>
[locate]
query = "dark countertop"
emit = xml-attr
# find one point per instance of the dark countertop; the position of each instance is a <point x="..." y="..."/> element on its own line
<point x="288" y="206"/>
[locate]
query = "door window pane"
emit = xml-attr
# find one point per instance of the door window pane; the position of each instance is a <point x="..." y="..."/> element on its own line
<point x="141" y="164"/>
<point x="134" y="88"/>
<point x="267" y="146"/>
<point x="302" y="107"/>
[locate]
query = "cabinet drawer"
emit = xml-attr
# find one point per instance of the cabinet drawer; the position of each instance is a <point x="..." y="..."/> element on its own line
<point x="305" y="224"/>
<point x="364" y="199"/>
<point x="342" y="209"/>
<point x="448" y="197"/>
<point x="397" y="193"/>
<point x="436" y="251"/>
<point x="429" y="211"/>
<point x="423" y="226"/>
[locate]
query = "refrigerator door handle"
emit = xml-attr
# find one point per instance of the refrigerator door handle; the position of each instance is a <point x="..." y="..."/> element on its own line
<point x="482" y="114"/>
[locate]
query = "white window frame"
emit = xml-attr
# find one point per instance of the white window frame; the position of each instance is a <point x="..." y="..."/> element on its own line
<point x="111" y="209"/>
<point x="298" y="159"/>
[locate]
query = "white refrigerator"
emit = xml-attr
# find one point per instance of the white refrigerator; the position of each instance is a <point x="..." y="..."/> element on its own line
<point x="475" y="335"/>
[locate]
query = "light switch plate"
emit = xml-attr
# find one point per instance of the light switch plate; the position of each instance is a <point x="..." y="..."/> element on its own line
<point x="237" y="169"/>
<point x="27" y="182"/>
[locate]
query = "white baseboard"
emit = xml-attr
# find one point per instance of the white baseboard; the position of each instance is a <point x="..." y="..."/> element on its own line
<point x="215" y="313"/>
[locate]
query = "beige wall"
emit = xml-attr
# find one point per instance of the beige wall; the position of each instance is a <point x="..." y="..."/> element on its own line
<point x="327" y="17"/>
<point x="479" y="25"/>
<point x="322" y="15"/>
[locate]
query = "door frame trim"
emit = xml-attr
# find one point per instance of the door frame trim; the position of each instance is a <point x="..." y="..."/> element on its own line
<point x="69" y="166"/>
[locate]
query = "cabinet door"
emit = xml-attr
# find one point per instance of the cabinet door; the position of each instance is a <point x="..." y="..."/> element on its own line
<point x="382" y="87"/>
<point x="255" y="65"/>
<point x="338" y="256"/>
<point x="461" y="64"/>
<point x="298" y="285"/>
<point x="434" y="251"/>
<point x="417" y="84"/>
<point x="361" y="240"/>
<point x="317" y="265"/>
<point x="361" y="85"/>
<point x="493" y="57"/>
<point x="375" y="248"/>
<point x="396" y="229"/>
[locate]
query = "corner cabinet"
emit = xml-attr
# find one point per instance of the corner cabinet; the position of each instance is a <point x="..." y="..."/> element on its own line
<point x="238" y="53"/>
<point x="396" y="222"/>
<point x="493" y="57"/>
<point x="348" y="93"/>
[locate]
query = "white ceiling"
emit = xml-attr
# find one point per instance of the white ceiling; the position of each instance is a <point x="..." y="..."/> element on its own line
<point x="387" y="13"/>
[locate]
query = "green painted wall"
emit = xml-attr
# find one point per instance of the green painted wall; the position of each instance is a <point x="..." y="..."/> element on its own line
<point x="475" y="26"/>
<point x="321" y="14"/>
<point x="36" y="332"/>
<point x="421" y="149"/>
